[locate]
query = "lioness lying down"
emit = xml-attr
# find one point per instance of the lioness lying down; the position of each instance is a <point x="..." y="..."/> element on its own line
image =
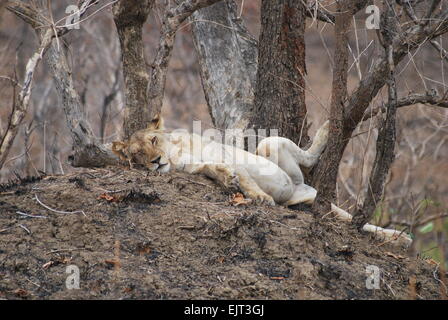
<point x="271" y="176"/>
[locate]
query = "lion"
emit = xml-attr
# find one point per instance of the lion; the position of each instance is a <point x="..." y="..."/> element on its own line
<point x="272" y="175"/>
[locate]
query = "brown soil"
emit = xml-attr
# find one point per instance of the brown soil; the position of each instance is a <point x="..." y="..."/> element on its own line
<point x="178" y="236"/>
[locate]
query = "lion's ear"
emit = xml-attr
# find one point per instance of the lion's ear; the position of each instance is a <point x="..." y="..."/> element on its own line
<point x="119" y="148"/>
<point x="156" y="123"/>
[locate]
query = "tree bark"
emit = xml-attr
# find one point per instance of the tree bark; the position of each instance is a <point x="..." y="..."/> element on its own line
<point x="227" y="55"/>
<point x="280" y="91"/>
<point x="129" y="18"/>
<point x="328" y="171"/>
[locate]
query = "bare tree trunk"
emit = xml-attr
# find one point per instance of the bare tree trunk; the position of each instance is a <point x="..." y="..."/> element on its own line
<point x="227" y="55"/>
<point x="385" y="144"/>
<point x="280" y="92"/>
<point x="327" y="172"/>
<point x="86" y="148"/>
<point x="129" y="17"/>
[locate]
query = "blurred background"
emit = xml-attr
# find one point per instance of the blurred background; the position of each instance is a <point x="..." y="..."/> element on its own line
<point x="417" y="188"/>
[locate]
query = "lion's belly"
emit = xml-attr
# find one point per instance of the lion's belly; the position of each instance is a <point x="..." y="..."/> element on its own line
<point x="268" y="176"/>
<point x="272" y="180"/>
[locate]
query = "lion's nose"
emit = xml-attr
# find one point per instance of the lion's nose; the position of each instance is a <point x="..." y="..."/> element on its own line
<point x="156" y="160"/>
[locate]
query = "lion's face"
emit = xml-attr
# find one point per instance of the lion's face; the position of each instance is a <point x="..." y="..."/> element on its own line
<point x="145" y="148"/>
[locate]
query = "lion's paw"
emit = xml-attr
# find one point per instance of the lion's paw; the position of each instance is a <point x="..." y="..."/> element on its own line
<point x="228" y="177"/>
<point x="262" y="199"/>
<point x="233" y="182"/>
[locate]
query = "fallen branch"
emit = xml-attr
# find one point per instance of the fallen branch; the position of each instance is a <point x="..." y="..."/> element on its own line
<point x="57" y="211"/>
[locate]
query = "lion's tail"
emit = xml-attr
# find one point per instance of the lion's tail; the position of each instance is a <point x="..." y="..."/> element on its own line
<point x="320" y="140"/>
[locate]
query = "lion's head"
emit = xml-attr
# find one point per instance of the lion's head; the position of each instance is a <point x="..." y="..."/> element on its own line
<point x="145" y="148"/>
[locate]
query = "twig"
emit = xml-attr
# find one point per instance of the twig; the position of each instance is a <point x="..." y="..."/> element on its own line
<point x="25" y="228"/>
<point x="57" y="211"/>
<point x="421" y="222"/>
<point x="6" y="229"/>
<point x="390" y="240"/>
<point x="111" y="191"/>
<point x="37" y="285"/>
<point x="30" y="215"/>
<point x="390" y="288"/>
<point x="62" y="250"/>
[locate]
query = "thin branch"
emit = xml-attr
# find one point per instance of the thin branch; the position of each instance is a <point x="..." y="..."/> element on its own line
<point x="420" y="222"/>
<point x="173" y="19"/>
<point x="432" y="99"/>
<point x="57" y="211"/>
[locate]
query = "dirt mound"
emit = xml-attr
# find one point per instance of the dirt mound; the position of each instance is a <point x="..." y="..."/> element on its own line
<point x="178" y="236"/>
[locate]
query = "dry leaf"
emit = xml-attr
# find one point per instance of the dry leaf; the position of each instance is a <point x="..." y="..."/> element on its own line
<point x="396" y="256"/>
<point x="111" y="263"/>
<point x="55" y="262"/>
<point x="21" y="292"/>
<point x="277" y="278"/>
<point x="107" y="197"/>
<point x="66" y="260"/>
<point x="238" y="199"/>
<point x="432" y="261"/>
<point x="128" y="290"/>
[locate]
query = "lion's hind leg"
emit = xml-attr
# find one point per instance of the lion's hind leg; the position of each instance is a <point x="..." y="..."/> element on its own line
<point x="251" y="189"/>
<point x="282" y="152"/>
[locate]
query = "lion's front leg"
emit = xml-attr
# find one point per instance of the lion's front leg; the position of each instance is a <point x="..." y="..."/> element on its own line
<point x="233" y="179"/>
<point x="220" y="172"/>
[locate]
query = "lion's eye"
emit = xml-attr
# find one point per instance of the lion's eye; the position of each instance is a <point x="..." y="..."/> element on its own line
<point x="154" y="140"/>
<point x="156" y="160"/>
